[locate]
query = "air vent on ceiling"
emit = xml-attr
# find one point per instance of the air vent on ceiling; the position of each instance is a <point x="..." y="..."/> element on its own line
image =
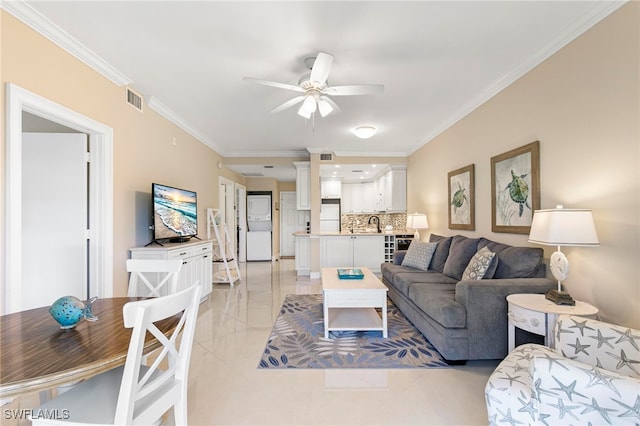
<point x="326" y="157"/>
<point x="268" y="167"/>
<point x="134" y="99"/>
<point x="357" y="171"/>
<point x="252" y="174"/>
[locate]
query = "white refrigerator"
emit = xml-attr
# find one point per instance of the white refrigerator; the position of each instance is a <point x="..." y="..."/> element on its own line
<point x="259" y="221"/>
<point x="330" y="215"/>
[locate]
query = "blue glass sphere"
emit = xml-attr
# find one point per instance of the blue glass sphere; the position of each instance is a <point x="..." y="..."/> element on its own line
<point x="69" y="310"/>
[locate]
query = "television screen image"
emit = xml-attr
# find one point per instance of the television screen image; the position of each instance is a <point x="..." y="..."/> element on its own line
<point x="175" y="213"/>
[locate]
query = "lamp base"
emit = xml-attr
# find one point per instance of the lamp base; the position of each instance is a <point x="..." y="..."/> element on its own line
<point x="560" y="297"/>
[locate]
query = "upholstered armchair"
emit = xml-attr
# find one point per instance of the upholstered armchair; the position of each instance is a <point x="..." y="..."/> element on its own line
<point x="591" y="377"/>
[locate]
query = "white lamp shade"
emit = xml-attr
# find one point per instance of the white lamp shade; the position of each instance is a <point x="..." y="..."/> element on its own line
<point x="308" y="107"/>
<point x="417" y="221"/>
<point x="563" y="227"/>
<point x="324" y="107"/>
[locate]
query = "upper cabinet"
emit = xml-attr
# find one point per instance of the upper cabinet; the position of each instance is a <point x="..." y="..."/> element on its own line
<point x="331" y="188"/>
<point x="395" y="190"/>
<point x="387" y="193"/>
<point x="303" y="185"/>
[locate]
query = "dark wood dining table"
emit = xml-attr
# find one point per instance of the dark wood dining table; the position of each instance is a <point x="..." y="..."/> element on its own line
<point x="36" y="354"/>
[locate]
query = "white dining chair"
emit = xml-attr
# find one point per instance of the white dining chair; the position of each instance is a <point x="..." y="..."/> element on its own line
<point x="149" y="277"/>
<point x="134" y="394"/>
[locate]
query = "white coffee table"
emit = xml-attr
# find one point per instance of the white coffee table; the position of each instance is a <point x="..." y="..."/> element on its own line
<point x="350" y="304"/>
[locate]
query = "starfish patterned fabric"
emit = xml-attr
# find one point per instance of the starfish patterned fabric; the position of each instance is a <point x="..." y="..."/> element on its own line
<point x="592" y="377"/>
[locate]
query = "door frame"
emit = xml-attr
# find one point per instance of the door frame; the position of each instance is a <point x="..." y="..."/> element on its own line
<point x="241" y="220"/>
<point x="100" y="190"/>
<point x="226" y="204"/>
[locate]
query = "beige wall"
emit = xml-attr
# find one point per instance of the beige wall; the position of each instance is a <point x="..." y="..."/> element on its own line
<point x="582" y="104"/>
<point x="144" y="149"/>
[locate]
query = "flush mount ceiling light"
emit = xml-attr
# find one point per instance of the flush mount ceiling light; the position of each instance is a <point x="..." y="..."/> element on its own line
<point x="364" y="132"/>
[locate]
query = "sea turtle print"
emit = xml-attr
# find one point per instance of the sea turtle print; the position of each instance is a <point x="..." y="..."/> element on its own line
<point x="459" y="197"/>
<point x="519" y="191"/>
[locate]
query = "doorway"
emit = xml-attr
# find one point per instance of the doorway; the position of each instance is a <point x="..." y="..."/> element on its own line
<point x="291" y="220"/>
<point x="100" y="243"/>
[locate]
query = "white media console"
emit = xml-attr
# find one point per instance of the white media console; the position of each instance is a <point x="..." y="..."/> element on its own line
<point x="196" y="261"/>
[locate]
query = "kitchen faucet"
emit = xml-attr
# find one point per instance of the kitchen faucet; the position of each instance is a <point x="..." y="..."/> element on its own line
<point x="377" y="222"/>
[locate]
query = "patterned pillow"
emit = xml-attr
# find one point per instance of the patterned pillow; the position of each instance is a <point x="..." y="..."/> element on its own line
<point x="479" y="264"/>
<point x="419" y="255"/>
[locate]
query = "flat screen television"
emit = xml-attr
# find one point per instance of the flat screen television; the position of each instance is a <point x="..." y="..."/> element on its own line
<point x="175" y="213"/>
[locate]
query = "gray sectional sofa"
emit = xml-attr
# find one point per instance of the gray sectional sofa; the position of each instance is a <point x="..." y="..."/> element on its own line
<point x="465" y="319"/>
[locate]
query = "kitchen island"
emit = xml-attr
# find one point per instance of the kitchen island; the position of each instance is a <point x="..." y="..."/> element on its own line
<point x="343" y="249"/>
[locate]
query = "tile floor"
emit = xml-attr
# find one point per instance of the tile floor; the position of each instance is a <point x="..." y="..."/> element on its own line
<point x="227" y="388"/>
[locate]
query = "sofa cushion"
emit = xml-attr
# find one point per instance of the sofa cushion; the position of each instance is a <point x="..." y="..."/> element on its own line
<point x="479" y="264"/>
<point x="404" y="280"/>
<point x="419" y="255"/>
<point x="515" y="262"/>
<point x="442" y="251"/>
<point x="461" y="251"/>
<point x="390" y="270"/>
<point x="439" y="304"/>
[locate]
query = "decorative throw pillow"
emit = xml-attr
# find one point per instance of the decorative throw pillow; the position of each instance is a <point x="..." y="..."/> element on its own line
<point x="479" y="264"/>
<point x="442" y="251"/>
<point x="419" y="255"/>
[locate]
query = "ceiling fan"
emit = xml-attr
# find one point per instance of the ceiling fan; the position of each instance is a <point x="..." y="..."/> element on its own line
<point x="315" y="89"/>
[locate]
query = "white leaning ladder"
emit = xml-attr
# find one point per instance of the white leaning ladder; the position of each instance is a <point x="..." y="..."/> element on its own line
<point x="225" y="264"/>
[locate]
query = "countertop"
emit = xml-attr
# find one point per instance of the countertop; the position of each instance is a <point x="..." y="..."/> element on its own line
<point x="348" y="233"/>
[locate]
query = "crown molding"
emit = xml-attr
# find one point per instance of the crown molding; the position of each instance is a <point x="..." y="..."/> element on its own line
<point x="370" y="154"/>
<point x="267" y="154"/>
<point x="169" y="114"/>
<point x="600" y="11"/>
<point x="41" y="24"/>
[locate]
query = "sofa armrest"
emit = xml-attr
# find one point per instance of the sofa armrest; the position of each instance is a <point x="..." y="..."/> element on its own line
<point x="570" y="391"/>
<point x="485" y="302"/>
<point x="398" y="256"/>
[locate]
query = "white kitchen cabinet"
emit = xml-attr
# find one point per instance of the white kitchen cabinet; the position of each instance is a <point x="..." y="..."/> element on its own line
<point x="303" y="255"/>
<point x="391" y="191"/>
<point x="357" y="197"/>
<point x="196" y="261"/>
<point x="368" y="197"/>
<point x="303" y="185"/>
<point x="352" y="251"/>
<point x="330" y="188"/>
<point x="396" y="190"/>
<point x="346" y="202"/>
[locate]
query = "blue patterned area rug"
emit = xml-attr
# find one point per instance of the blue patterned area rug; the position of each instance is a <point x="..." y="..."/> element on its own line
<point x="297" y="341"/>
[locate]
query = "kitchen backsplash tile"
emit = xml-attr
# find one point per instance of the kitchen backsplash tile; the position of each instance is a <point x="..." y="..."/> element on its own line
<point x="397" y="220"/>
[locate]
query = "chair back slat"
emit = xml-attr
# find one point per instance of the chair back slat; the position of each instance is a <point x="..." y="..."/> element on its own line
<point x="150" y="386"/>
<point x="153" y="277"/>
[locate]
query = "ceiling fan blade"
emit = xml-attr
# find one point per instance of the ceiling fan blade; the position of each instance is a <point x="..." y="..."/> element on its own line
<point x="321" y="68"/>
<point x="274" y="84"/>
<point x="354" y="89"/>
<point x="327" y="106"/>
<point x="288" y="104"/>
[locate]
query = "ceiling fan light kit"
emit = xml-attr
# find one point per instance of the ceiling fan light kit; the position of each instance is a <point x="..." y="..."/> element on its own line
<point x="315" y="89"/>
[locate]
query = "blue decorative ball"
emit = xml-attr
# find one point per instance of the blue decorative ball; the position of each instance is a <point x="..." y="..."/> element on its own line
<point x="69" y="310"/>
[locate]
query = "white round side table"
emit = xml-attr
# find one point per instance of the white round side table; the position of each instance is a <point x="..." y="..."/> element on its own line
<point x="534" y="313"/>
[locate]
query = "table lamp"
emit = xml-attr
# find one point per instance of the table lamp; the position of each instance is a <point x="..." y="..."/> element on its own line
<point x="417" y="221"/>
<point x="562" y="227"/>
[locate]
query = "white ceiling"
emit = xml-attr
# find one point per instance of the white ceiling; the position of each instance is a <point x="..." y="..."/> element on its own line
<point x="437" y="60"/>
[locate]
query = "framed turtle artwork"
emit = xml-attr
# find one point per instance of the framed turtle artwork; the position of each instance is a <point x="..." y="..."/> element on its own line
<point x="515" y="189"/>
<point x="462" y="198"/>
